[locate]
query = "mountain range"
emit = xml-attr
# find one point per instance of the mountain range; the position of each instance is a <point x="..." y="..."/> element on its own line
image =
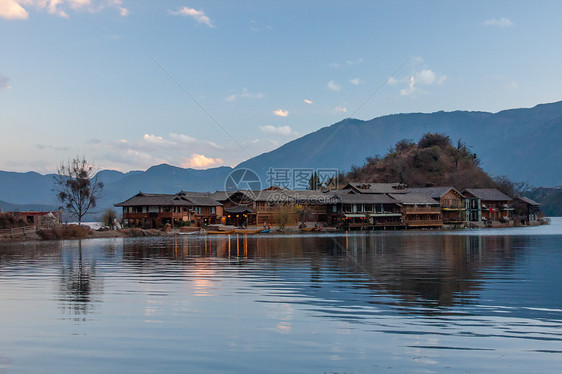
<point x="523" y="144"/>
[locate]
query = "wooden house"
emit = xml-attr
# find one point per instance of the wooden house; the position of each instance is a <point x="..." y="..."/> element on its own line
<point x="452" y="203"/>
<point x="358" y="210"/>
<point x="155" y="210"/>
<point x="488" y="205"/>
<point x="527" y="210"/>
<point x="419" y="210"/>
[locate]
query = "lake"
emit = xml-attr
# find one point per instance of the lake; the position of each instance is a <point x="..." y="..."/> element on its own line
<point x="393" y="302"/>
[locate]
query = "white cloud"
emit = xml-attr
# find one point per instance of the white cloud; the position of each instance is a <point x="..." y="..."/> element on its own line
<point x="427" y="77"/>
<point x="512" y="85"/>
<point x="351" y="63"/>
<point x="153" y="139"/>
<point x="411" y="89"/>
<point x="308" y="101"/>
<point x="280" y="130"/>
<point x="4" y="82"/>
<point x="10" y="9"/>
<point x="200" y="161"/>
<point x="197" y="15"/>
<point x="244" y="94"/>
<point x="501" y="22"/>
<point x="334" y="65"/>
<point x="281" y="113"/>
<point x="181" y="138"/>
<point x="333" y="86"/>
<point x="339" y="110"/>
<point x="18" y="9"/>
<point x="356" y="81"/>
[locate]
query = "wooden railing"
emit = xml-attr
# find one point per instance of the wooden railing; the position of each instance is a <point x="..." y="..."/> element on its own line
<point x="422" y="209"/>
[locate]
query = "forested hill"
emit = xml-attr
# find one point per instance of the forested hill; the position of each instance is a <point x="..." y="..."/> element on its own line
<point x="433" y="161"/>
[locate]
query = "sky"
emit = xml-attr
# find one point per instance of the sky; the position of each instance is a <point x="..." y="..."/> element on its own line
<point x="133" y="83"/>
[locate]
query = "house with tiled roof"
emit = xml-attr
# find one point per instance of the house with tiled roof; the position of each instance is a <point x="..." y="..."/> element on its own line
<point x="488" y="205"/>
<point x="150" y="210"/>
<point x="452" y="202"/>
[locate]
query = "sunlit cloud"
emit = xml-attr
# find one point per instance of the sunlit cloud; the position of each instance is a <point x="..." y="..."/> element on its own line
<point x="278" y="130"/>
<point x="499" y="22"/>
<point x="12" y="10"/>
<point x="181" y="138"/>
<point x="197" y="15"/>
<point x="308" y="101"/>
<point x="333" y="86"/>
<point x="19" y="9"/>
<point x="281" y="113"/>
<point x="356" y="81"/>
<point x="200" y="161"/>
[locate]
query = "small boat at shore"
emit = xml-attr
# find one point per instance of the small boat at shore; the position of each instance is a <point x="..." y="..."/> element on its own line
<point x="221" y="232"/>
<point x="309" y="229"/>
<point x="242" y="231"/>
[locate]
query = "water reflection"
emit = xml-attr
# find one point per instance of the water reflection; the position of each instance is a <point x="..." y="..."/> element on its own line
<point x="427" y="271"/>
<point x="79" y="286"/>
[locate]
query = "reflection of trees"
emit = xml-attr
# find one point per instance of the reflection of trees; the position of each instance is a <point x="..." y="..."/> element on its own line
<point x="428" y="270"/>
<point x="79" y="285"/>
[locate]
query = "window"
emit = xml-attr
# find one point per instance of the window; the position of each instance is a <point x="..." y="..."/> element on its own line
<point x="213" y="210"/>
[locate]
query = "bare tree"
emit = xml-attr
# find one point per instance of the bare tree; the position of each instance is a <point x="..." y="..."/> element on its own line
<point x="76" y="186"/>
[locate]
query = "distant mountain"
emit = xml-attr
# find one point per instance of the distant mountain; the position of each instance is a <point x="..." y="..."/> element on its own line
<point x="524" y="144"/>
<point x="8" y="207"/>
<point x="31" y="189"/>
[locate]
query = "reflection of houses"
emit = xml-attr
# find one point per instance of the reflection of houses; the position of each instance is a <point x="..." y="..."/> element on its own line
<point x="488" y="204"/>
<point x="452" y="202"/>
<point x="527" y="210"/>
<point x="419" y="210"/>
<point x="155" y="210"/>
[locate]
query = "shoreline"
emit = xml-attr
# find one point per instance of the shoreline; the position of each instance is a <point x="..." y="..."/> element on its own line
<point x="291" y="230"/>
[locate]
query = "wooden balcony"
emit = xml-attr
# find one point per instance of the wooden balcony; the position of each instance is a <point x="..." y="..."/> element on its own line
<point x="422" y="210"/>
<point x="424" y="222"/>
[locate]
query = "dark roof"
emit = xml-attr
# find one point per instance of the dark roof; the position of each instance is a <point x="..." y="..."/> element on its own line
<point x="151" y="199"/>
<point x="412" y="198"/>
<point x="239" y="209"/>
<point x="365" y="187"/>
<point x="221" y="195"/>
<point x="371" y="198"/>
<point x="487" y="194"/>
<point x="433" y="192"/>
<point x="528" y="201"/>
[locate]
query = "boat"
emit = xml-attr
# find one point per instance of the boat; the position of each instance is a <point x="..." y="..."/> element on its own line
<point x="264" y="231"/>
<point x="188" y="233"/>
<point x="221" y="232"/>
<point x="308" y="229"/>
<point x="243" y="231"/>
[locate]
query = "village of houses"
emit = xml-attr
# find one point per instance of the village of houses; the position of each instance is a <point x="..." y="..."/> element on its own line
<point x="357" y="206"/>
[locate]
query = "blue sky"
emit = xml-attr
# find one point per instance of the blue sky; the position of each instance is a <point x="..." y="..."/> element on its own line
<point x="101" y="78"/>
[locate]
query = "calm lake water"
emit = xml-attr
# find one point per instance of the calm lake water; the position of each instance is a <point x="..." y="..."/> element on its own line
<point x="390" y="302"/>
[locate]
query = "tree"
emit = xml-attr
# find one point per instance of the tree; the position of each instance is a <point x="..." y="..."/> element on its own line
<point x="314" y="182"/>
<point x="76" y="187"/>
